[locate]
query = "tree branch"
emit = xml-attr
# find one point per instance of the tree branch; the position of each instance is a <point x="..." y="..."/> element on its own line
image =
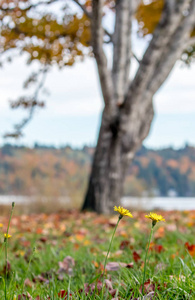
<point x="172" y="15"/>
<point x="122" y="56"/>
<point x="122" y="48"/>
<point x="133" y="5"/>
<point x="32" y="103"/>
<point x="135" y="56"/>
<point x="97" y="43"/>
<point x="88" y="14"/>
<point x="173" y="51"/>
<point x="108" y="34"/>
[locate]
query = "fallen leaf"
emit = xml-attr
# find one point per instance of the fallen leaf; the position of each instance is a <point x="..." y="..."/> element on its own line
<point x="28" y="282"/>
<point x="149" y="296"/>
<point x="115" y="266"/>
<point x="159" y="233"/>
<point x="66" y="266"/>
<point x="136" y="256"/>
<point x="64" y="294"/>
<point x="124" y="244"/>
<point x="25" y="296"/>
<point x="190" y="248"/>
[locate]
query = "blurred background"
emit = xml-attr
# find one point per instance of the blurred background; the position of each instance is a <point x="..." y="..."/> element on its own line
<point x="51" y="160"/>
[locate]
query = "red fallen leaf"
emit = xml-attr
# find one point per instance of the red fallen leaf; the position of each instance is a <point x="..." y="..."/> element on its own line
<point x="148" y="286"/>
<point x="124" y="244"/>
<point x="25" y="297"/>
<point x="8" y="268"/>
<point x="64" y="294"/>
<point x="190" y="248"/>
<point x="158" y="248"/>
<point x="39" y="298"/>
<point x="25" y="243"/>
<point x="39" y="230"/>
<point x="43" y="239"/>
<point x="136" y="256"/>
<point x="67" y="234"/>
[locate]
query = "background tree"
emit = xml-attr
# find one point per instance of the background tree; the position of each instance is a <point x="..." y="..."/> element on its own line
<point x="128" y="102"/>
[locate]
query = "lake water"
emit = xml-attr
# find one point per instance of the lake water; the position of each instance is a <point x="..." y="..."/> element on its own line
<point x="147" y="203"/>
<point x="8" y="199"/>
<point x="164" y="203"/>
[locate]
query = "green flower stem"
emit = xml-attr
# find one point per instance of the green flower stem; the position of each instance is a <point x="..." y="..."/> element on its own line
<point x="144" y="276"/>
<point x="69" y="282"/>
<point x="6" y="244"/>
<point x="5" y="286"/>
<point x="119" y="218"/>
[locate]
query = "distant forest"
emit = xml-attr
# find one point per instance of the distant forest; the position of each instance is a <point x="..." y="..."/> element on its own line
<point x="55" y="172"/>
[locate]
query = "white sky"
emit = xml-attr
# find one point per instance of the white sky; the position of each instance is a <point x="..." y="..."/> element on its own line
<point x="73" y="108"/>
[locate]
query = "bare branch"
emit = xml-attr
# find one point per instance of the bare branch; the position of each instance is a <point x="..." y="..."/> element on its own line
<point x="32" y="104"/>
<point x="108" y="34"/>
<point x="88" y="14"/>
<point x="135" y="56"/>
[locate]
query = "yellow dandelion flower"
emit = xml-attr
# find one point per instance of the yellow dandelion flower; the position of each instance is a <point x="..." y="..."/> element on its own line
<point x="7" y="235"/>
<point x="123" y="211"/>
<point x="1" y="225"/>
<point x="155" y="218"/>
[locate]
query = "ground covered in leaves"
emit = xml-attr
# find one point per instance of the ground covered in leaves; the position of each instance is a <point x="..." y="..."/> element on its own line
<point x="61" y="256"/>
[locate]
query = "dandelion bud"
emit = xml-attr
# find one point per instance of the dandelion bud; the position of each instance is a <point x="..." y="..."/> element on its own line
<point x="6" y="236"/>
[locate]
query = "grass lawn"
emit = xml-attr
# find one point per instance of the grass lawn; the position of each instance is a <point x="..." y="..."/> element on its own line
<point x="61" y="256"/>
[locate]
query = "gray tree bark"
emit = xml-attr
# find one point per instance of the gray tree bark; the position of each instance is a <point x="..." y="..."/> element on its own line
<point x="128" y="111"/>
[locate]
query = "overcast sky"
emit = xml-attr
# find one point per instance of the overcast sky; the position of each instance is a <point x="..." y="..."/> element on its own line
<point x="73" y="108"/>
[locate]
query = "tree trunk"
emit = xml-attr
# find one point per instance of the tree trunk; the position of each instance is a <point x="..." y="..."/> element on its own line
<point x="105" y="183"/>
<point x="118" y="141"/>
